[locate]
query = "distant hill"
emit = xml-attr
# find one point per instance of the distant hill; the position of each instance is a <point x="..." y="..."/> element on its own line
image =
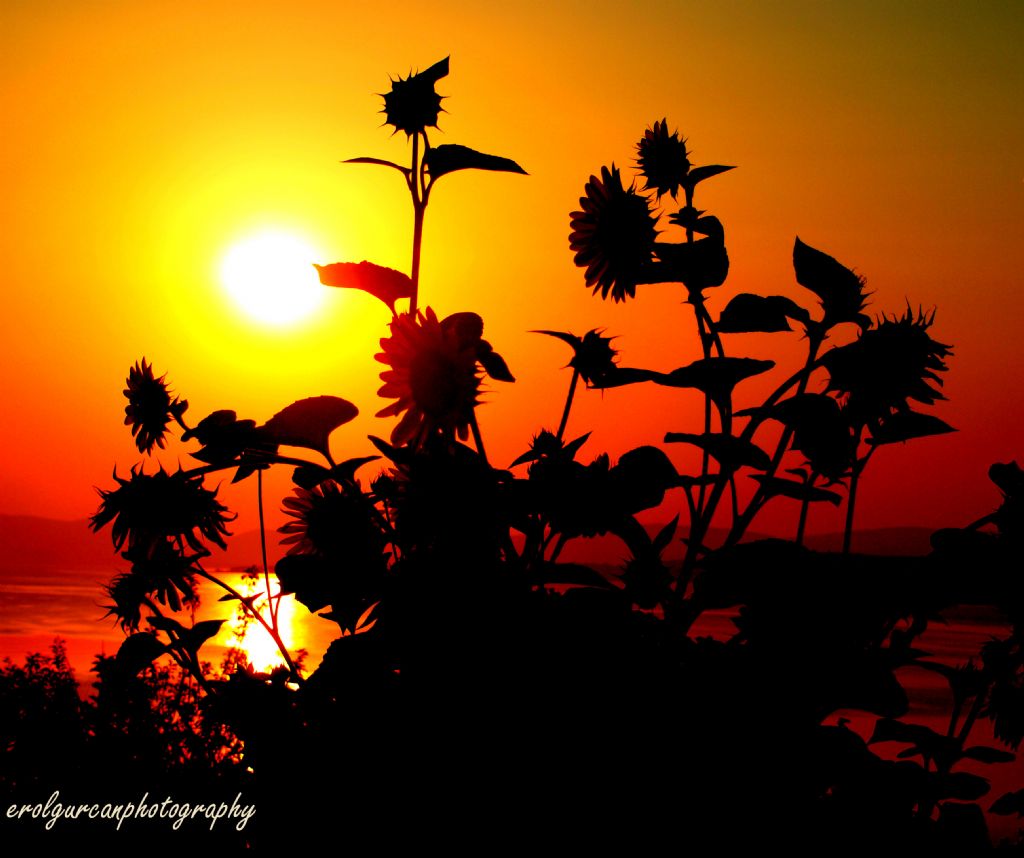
<point x="33" y="545"/>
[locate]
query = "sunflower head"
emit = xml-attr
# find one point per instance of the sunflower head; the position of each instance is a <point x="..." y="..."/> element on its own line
<point x="330" y="520"/>
<point x="412" y="105"/>
<point x="150" y="407"/>
<point x="662" y="159"/>
<point x="433" y="375"/>
<point x="891" y="363"/>
<point x="149" y="509"/>
<point x="612" y="235"/>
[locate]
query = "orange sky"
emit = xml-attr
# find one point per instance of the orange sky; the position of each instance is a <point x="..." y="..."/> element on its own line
<point x="140" y="139"/>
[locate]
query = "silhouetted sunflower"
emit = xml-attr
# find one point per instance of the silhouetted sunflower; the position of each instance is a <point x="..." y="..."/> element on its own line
<point x="662" y="159"/>
<point x="330" y="521"/>
<point x="149" y="508"/>
<point x="150" y="407"/>
<point x="163" y="572"/>
<point x="886" y="366"/>
<point x="593" y="356"/>
<point x="412" y="105"/>
<point x="433" y="375"/>
<point x="613" y="236"/>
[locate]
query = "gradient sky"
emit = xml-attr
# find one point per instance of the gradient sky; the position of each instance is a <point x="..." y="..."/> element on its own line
<point x="140" y="139"/>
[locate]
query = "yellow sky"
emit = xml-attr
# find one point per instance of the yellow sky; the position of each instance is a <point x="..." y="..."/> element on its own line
<point x="140" y="139"/>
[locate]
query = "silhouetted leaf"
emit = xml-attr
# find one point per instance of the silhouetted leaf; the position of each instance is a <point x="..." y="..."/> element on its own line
<point x="380" y="161"/>
<point x="840" y="290"/>
<point x="907" y="425"/>
<point x="664" y="536"/>
<point x="986" y="754"/>
<point x="777" y="486"/>
<point x="961" y="786"/>
<point x="493" y="363"/>
<point x="699" y="265"/>
<point x="450" y="157"/>
<point x="716" y="376"/>
<point x="166" y="624"/>
<point x="730" y="452"/>
<point x="346" y="471"/>
<point x="642" y="477"/>
<point x="820" y="431"/>
<point x="570" y="573"/>
<point x="619" y="376"/>
<point x="311" y="475"/>
<point x="385" y="284"/>
<point x="308" y="577"/>
<point x="245" y="600"/>
<point x="699" y="174"/>
<point x="309" y="422"/>
<point x="137" y="652"/>
<point x="747" y="313"/>
<point x="201" y="632"/>
<point x="1009" y="803"/>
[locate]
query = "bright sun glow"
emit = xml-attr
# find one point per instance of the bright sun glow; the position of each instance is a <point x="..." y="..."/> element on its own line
<point x="270" y="276"/>
<point x="259" y="647"/>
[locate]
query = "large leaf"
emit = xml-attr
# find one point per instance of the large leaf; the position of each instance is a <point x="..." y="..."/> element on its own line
<point x="730" y="452"/>
<point x="716" y="376"/>
<point x="987" y="754"/>
<point x="308" y="577"/>
<point x="820" y="431"/>
<point x="778" y="486"/>
<point x="385" y="284"/>
<point x="450" y="157"/>
<point x="766" y="314"/>
<point x="840" y="290"/>
<point x="1009" y="803"/>
<point x="137" y="652"/>
<point x="907" y="425"/>
<point x="191" y="639"/>
<point x="309" y="422"/>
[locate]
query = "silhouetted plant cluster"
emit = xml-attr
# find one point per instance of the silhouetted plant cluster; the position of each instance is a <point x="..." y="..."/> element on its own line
<point x="145" y="730"/>
<point x="465" y="644"/>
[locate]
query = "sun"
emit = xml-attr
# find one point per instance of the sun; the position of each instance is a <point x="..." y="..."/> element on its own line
<point x="270" y="276"/>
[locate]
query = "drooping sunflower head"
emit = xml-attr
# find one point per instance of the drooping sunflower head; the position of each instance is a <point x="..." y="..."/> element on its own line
<point x="662" y="159"/>
<point x="612" y="235"/>
<point x="150" y="406"/>
<point x="889" y="364"/>
<point x="148" y="509"/>
<point x="412" y="105"/>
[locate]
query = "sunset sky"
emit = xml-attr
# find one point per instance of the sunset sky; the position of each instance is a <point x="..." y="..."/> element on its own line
<point x="142" y="140"/>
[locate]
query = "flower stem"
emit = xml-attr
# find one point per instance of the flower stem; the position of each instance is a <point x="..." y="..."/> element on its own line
<point x="804" y="507"/>
<point x="257" y="616"/>
<point x="263" y="545"/>
<point x="478" y="438"/>
<point x="851" y="500"/>
<point x="801" y="379"/>
<point x="568" y="403"/>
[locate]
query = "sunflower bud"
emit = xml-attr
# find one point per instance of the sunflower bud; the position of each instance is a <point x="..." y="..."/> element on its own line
<point x="412" y="105"/>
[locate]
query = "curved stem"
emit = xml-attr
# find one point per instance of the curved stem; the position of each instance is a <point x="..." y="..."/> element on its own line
<point x="805" y="505"/>
<point x="263" y="546"/>
<point x="257" y="616"/>
<point x="568" y="403"/>
<point x="800" y="378"/>
<point x="851" y="500"/>
<point x="478" y="438"/>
